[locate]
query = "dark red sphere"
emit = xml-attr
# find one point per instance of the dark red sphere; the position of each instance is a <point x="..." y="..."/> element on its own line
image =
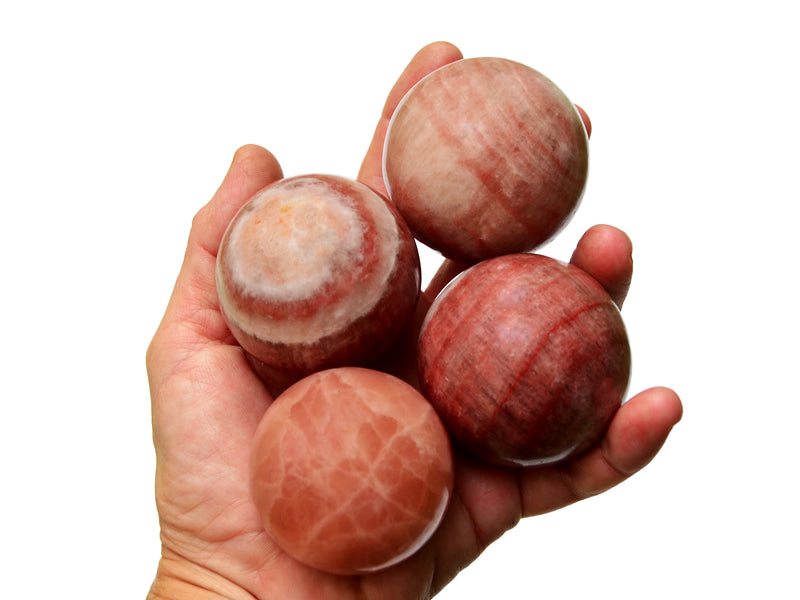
<point x="525" y="358"/>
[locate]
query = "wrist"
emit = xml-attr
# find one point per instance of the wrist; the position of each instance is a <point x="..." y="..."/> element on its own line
<point x="179" y="579"/>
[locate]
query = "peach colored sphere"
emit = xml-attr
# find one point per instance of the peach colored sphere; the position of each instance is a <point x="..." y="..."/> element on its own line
<point x="526" y="360"/>
<point x="484" y="157"/>
<point x="351" y="470"/>
<point x="317" y="271"/>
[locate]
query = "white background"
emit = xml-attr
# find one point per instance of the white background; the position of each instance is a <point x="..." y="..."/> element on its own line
<point x="118" y="121"/>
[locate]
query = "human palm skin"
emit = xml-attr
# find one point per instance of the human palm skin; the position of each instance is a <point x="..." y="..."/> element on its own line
<point x="207" y="403"/>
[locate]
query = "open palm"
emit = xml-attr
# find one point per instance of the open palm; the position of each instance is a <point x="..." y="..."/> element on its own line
<point x="207" y="403"/>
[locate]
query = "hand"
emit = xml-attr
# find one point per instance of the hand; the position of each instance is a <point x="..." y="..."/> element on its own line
<point x="207" y="403"/>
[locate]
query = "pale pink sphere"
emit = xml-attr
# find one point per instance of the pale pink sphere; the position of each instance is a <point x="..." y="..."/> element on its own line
<point x="351" y="470"/>
<point x="315" y="272"/>
<point x="484" y="157"/>
<point x="526" y="360"/>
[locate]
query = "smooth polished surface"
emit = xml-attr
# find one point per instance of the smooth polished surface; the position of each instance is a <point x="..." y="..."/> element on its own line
<point x="525" y="358"/>
<point x="317" y="271"/>
<point x="485" y="157"/>
<point x="351" y="470"/>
